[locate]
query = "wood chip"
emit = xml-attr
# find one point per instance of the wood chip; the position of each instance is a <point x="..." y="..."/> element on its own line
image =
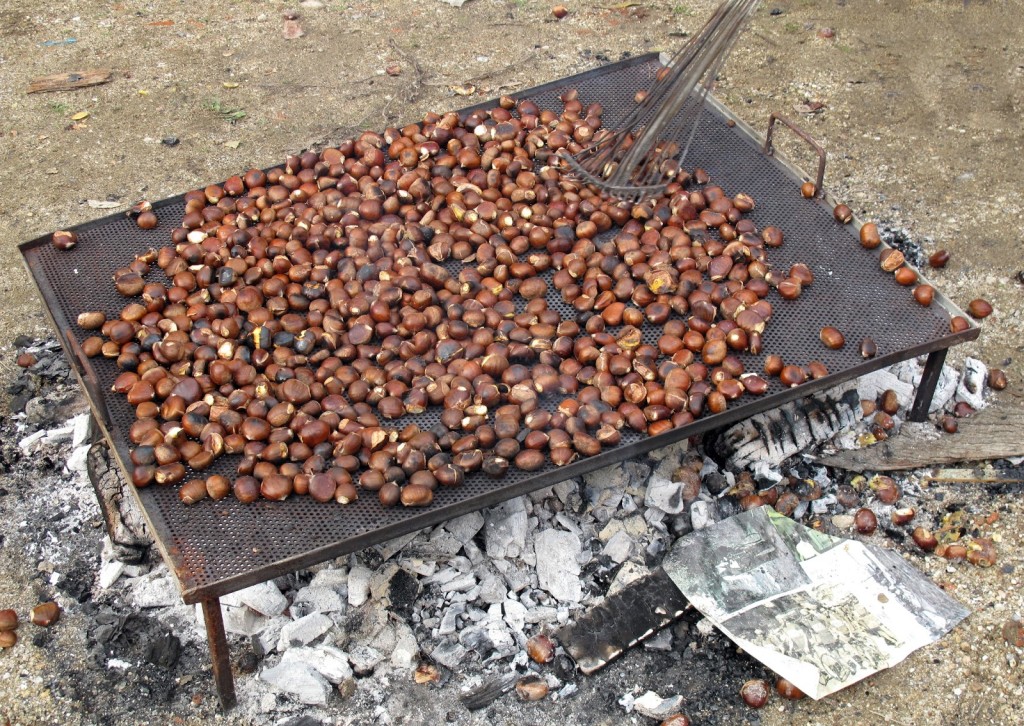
<point x="992" y="433"/>
<point x="70" y="80"/>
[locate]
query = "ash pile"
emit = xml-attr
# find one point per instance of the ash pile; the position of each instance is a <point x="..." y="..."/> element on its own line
<point x="456" y="611"/>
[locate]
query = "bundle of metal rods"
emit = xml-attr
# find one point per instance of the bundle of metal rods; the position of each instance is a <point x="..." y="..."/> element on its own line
<point x="636" y="161"/>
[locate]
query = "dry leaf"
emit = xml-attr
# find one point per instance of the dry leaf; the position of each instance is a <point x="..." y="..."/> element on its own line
<point x="233" y="144"/>
<point x="102" y="204"/>
<point x="230" y="84"/>
<point x="467" y="90"/>
<point x="809" y="107"/>
<point x="292" y="30"/>
<point x="161" y="23"/>
<point x="80" y="116"/>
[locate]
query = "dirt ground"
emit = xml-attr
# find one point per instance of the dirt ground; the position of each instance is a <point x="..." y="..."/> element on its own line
<point x="921" y="112"/>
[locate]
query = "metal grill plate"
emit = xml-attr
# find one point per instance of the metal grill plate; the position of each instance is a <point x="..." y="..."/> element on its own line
<point x="218" y="547"/>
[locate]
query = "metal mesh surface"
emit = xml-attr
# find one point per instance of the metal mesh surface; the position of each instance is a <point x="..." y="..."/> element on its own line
<point x="219" y="547"/>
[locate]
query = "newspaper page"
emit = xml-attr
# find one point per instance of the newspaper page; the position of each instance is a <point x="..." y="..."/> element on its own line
<point x="821" y="611"/>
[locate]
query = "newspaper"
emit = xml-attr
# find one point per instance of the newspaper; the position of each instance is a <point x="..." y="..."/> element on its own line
<point x="821" y="611"/>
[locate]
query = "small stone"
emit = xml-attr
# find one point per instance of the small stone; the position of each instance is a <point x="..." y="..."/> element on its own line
<point x="347" y="688"/>
<point x="155" y="590"/>
<point x="842" y="521"/>
<point x="358" y="585"/>
<point x="619" y="547"/>
<point x="665" y="494"/>
<point x="505" y="529"/>
<point x="558" y="567"/>
<point x="492" y="589"/>
<point x="1013" y="633"/>
<point x="320" y="599"/>
<point x="364" y="659"/>
<point x="336" y="579"/>
<point x="304" y="630"/>
<point x="515" y="614"/>
<point x="466" y="527"/>
<point x="451" y="655"/>
<point x="170" y="141"/>
<point x="450" y="620"/>
<point x="242" y="620"/>
<point x="328" y="661"/>
<point x="109" y="573"/>
<point x="461" y="583"/>
<point x="299" y="680"/>
<point x="703" y="514"/>
<point x="629" y="572"/>
<point x="264" y="598"/>
<point x="407" y="650"/>
<point x="654" y="706"/>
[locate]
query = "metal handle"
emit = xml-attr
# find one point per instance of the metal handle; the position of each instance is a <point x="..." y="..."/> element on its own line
<point x="768" y="150"/>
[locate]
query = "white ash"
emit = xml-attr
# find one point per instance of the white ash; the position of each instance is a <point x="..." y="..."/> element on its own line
<point x="484" y="582"/>
<point x="971" y="388"/>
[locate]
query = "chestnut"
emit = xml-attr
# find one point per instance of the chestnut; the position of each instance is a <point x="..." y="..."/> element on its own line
<point x="924" y="539"/>
<point x="192" y="491"/>
<point x="832" y="337"/>
<point x="45" y="614"/>
<point x="891" y="260"/>
<point x="787" y="690"/>
<point x="64" y="240"/>
<point x="147" y="220"/>
<point x="92" y="319"/>
<point x="865" y="521"/>
<point x="938" y="259"/>
<point x="924" y="294"/>
<point x="540" y="648"/>
<point x="531" y="688"/>
<point x="792" y="376"/>
<point x="869" y="237"/>
<point x="842" y="213"/>
<point x="979" y="308"/>
<point x="903" y="516"/>
<point x="755" y="693"/>
<point x="414" y="495"/>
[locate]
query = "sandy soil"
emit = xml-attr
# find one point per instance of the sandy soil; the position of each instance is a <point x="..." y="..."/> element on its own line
<point x="921" y="120"/>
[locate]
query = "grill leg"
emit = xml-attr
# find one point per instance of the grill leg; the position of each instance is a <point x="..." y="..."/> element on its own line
<point x="219" y="653"/>
<point x="926" y="389"/>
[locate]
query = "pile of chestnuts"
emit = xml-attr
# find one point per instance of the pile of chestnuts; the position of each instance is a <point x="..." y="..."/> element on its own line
<point x="307" y="312"/>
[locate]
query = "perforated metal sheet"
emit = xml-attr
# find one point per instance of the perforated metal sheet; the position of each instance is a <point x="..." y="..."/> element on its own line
<point x="218" y="547"/>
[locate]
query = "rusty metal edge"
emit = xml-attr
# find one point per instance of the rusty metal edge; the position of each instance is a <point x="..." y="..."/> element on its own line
<point x="159" y="529"/>
<point x="192" y="594"/>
